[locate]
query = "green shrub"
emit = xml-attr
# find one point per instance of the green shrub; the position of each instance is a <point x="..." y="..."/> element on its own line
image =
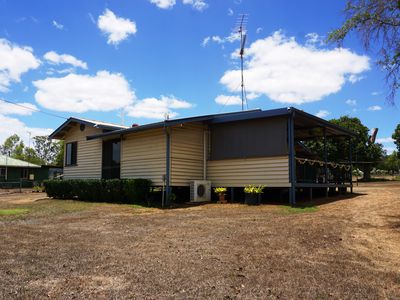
<point x="100" y="190"/>
<point x="136" y="190"/>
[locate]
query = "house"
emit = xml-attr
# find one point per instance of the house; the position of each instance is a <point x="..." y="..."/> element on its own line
<point x="15" y="170"/>
<point x="229" y="149"/>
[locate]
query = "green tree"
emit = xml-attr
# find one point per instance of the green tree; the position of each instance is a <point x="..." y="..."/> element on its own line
<point x="391" y="163"/>
<point x="362" y="150"/>
<point x="396" y="138"/>
<point x="47" y="150"/>
<point x="31" y="156"/>
<point x="12" y="145"/>
<point x="377" y="24"/>
<point x="43" y="152"/>
<point x="60" y="156"/>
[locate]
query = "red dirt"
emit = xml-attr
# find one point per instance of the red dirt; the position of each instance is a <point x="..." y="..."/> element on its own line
<point x="348" y="248"/>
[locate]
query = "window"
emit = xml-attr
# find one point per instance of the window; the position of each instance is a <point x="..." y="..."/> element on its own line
<point x="71" y="153"/>
<point x="2" y="173"/>
<point x="111" y="159"/>
<point x="24" y="173"/>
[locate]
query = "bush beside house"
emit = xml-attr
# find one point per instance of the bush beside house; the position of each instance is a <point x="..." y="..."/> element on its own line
<point x="100" y="190"/>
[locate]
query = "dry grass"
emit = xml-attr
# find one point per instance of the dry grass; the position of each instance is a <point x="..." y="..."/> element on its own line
<point x="347" y="248"/>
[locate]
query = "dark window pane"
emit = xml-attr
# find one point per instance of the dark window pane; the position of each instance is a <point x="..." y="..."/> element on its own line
<point x="111" y="159"/>
<point x="68" y="154"/>
<point x="71" y="151"/>
<point x="116" y="152"/>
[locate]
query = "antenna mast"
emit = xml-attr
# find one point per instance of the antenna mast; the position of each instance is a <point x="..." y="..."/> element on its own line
<point x="242" y="22"/>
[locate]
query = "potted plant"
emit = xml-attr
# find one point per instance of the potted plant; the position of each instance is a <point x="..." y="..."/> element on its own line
<point x="221" y="194"/>
<point x="253" y="194"/>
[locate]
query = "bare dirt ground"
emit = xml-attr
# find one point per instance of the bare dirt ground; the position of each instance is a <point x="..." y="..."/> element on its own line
<point x="346" y="248"/>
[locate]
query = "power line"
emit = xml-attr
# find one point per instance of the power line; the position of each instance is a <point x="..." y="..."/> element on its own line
<point x="34" y="109"/>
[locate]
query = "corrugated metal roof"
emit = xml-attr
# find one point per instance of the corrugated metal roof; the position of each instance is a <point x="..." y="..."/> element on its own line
<point x="101" y="123"/>
<point x="232" y="117"/>
<point x="58" y="133"/>
<point x="13" y="162"/>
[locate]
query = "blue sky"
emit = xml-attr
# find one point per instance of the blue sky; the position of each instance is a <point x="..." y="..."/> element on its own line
<point x="95" y="59"/>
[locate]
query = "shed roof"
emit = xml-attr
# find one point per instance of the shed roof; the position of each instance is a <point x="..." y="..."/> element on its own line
<point x="64" y="127"/>
<point x="6" y="161"/>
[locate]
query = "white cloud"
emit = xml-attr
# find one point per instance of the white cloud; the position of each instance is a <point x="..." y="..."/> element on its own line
<point x="199" y="5"/>
<point x="385" y="140"/>
<point x="234" y="36"/>
<point x="374" y="108"/>
<point x="20" y="108"/>
<point x="10" y="126"/>
<point x="116" y="28"/>
<point x="351" y="102"/>
<point x="58" y="25"/>
<point x="230" y="12"/>
<point x="57" y="59"/>
<point x="259" y="30"/>
<point x="80" y="93"/>
<point x="14" y="61"/>
<point x="375" y="93"/>
<point x="389" y="150"/>
<point x="322" y="113"/>
<point x="252" y="96"/>
<point x="153" y="108"/>
<point x="313" y="39"/>
<point x="288" y="72"/>
<point x="206" y="40"/>
<point x="228" y="100"/>
<point x="164" y="4"/>
<point x="353" y="78"/>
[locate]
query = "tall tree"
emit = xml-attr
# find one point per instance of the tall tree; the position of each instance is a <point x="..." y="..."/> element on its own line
<point x="60" y="156"/>
<point x="377" y="23"/>
<point x="396" y="138"/>
<point x="391" y="163"/>
<point x="13" y="145"/>
<point x="30" y="155"/>
<point x="46" y="149"/>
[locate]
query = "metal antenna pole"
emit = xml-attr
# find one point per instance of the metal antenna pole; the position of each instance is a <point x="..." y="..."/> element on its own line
<point x="241" y="30"/>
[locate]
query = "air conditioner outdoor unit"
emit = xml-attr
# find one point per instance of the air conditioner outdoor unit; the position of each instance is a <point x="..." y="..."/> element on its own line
<point x="200" y="190"/>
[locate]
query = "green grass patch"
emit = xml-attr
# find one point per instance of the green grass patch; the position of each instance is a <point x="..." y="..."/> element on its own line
<point x="286" y="209"/>
<point x="137" y="206"/>
<point x="13" y="211"/>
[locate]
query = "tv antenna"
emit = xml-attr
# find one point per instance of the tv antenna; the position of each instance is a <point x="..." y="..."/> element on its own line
<point x="241" y="29"/>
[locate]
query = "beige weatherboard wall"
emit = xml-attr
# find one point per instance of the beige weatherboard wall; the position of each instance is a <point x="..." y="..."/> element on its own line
<point x="143" y="155"/>
<point x="89" y="154"/>
<point x="187" y="153"/>
<point x="268" y="171"/>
